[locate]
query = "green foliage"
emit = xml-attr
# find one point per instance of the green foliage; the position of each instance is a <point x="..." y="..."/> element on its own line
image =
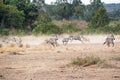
<point x="100" y="19"/>
<point x="87" y="61"/>
<point x="11" y="17"/>
<point x="79" y="12"/>
<point x="4" y="31"/>
<point x="1" y="1"/>
<point x="91" y="9"/>
<point x="113" y="11"/>
<point x="115" y="29"/>
<point x="43" y="18"/>
<point x="19" y="12"/>
<point x="14" y="17"/>
<point x="20" y="32"/>
<point x="69" y="28"/>
<point x="47" y="28"/>
<point x="63" y="10"/>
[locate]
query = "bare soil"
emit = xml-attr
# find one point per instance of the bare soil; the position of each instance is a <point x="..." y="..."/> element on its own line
<point x="37" y="60"/>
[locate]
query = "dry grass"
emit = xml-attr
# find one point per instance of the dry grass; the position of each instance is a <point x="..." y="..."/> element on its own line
<point x="117" y="58"/>
<point x="27" y="46"/>
<point x="79" y="24"/>
<point x="11" y="45"/>
<point x="11" y="49"/>
<point x="87" y="61"/>
<point x="21" y="45"/>
<point x="1" y="45"/>
<point x="45" y="62"/>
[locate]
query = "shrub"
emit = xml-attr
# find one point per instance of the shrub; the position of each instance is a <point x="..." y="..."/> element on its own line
<point x="48" y="28"/>
<point x="4" y="31"/>
<point x="99" y="30"/>
<point x="87" y="61"/>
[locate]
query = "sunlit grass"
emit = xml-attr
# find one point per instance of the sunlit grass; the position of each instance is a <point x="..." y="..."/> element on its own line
<point x="87" y="61"/>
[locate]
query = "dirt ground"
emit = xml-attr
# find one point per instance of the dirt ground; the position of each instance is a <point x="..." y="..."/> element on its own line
<point x="37" y="60"/>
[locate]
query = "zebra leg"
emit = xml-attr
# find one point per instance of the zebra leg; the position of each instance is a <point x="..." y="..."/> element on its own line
<point x="108" y="44"/>
<point x="104" y="43"/>
<point x="112" y="44"/>
<point x="66" y="43"/>
<point x="63" y="42"/>
<point x="53" y="44"/>
<point x="81" y="41"/>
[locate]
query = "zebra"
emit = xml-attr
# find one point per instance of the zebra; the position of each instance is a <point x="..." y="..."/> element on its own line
<point x="75" y="38"/>
<point x="18" y="41"/>
<point x="15" y="40"/>
<point x="65" y="41"/>
<point x="53" y="41"/>
<point x="109" y="40"/>
<point x="6" y="41"/>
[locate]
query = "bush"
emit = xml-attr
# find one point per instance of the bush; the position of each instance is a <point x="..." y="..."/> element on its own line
<point x="48" y="28"/>
<point x="106" y="29"/>
<point x="87" y="61"/>
<point x="4" y="31"/>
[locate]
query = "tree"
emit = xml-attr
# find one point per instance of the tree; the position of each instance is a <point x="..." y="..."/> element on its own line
<point x="63" y="9"/>
<point x="14" y="17"/>
<point x="91" y="9"/>
<point x="77" y="9"/>
<point x="43" y="18"/>
<point x="11" y="17"/>
<point x="100" y="19"/>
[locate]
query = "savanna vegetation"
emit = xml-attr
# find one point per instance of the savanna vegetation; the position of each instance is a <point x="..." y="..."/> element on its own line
<point x="36" y="17"/>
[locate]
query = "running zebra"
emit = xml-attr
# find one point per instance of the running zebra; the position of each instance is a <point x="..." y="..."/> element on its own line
<point x="16" y="40"/>
<point x="65" y="41"/>
<point x="75" y="38"/>
<point x="109" y="40"/>
<point x="53" y="41"/>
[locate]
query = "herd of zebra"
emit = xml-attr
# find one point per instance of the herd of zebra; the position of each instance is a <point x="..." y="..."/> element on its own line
<point x="16" y="40"/>
<point x="54" y="41"/>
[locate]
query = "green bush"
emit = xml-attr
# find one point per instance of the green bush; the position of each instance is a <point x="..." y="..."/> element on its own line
<point x="4" y="31"/>
<point x="99" y="30"/>
<point x="20" y="32"/>
<point x="48" y="28"/>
